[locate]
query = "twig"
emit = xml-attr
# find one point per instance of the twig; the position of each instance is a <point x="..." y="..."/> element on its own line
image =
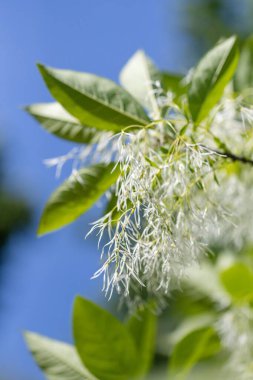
<point x="230" y="155"/>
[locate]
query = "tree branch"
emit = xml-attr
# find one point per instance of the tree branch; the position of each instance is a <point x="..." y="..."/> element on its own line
<point x="231" y="156"/>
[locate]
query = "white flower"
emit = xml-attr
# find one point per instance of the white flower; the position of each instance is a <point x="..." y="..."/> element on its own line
<point x="235" y="328"/>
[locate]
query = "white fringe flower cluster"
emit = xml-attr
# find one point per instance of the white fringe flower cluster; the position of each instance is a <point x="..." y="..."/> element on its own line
<point x="158" y="226"/>
<point x="235" y="327"/>
<point x="173" y="196"/>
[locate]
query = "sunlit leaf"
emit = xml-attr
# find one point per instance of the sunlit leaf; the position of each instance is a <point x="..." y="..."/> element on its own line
<point x="192" y="323"/>
<point x="56" y="120"/>
<point x="76" y="195"/>
<point x="94" y="101"/>
<point x="103" y="343"/>
<point x="139" y="77"/>
<point x="142" y="326"/>
<point x="210" y="77"/>
<point x="238" y="282"/>
<point x="58" y="360"/>
<point x="198" y="344"/>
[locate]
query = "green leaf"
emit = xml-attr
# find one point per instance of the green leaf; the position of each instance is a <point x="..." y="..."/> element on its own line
<point x="238" y="282"/>
<point x="103" y="343"/>
<point x="173" y="82"/>
<point x="56" y="120"/>
<point x="244" y="73"/>
<point x="142" y="326"/>
<point x="58" y="361"/>
<point x="192" y="323"/>
<point x="210" y="77"/>
<point x="94" y="101"/>
<point x="76" y="195"/>
<point x="138" y="76"/>
<point x="199" y="344"/>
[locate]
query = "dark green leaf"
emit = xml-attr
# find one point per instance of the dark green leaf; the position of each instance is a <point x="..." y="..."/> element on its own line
<point x="173" y="82"/>
<point x="238" y="282"/>
<point x="138" y="76"/>
<point x="103" y="343"/>
<point x="142" y="326"/>
<point x="54" y="118"/>
<point x="76" y="195"/>
<point x="183" y="130"/>
<point x="58" y="360"/>
<point x="94" y="101"/>
<point x="210" y="77"/>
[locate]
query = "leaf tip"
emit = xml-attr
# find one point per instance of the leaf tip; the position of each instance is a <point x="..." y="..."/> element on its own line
<point x="78" y="299"/>
<point x="26" y="109"/>
<point x="42" y="230"/>
<point x="40" y="66"/>
<point x="25" y="333"/>
<point x="27" y="336"/>
<point x="44" y="70"/>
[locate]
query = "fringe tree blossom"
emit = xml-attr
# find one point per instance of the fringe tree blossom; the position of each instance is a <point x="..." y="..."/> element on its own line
<point x="160" y="224"/>
<point x="174" y="193"/>
<point x="168" y="202"/>
<point x="235" y="328"/>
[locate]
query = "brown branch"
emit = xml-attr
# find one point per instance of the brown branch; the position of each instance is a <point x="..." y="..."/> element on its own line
<point x="234" y="157"/>
<point x="231" y="156"/>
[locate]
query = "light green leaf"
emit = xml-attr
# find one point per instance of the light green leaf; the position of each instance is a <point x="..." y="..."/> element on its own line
<point x="103" y="343"/>
<point x="238" y="282"/>
<point x="56" y="120"/>
<point x="244" y="73"/>
<point x="210" y="77"/>
<point x="94" y="101"/>
<point x="142" y="326"/>
<point x="76" y="195"/>
<point x="58" y="360"/>
<point x="190" y="324"/>
<point x="138" y="76"/>
<point x="197" y="345"/>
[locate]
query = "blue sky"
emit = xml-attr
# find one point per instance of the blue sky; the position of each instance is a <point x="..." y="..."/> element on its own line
<point x="42" y="276"/>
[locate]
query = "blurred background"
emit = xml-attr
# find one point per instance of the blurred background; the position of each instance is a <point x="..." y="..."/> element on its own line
<point x="40" y="277"/>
